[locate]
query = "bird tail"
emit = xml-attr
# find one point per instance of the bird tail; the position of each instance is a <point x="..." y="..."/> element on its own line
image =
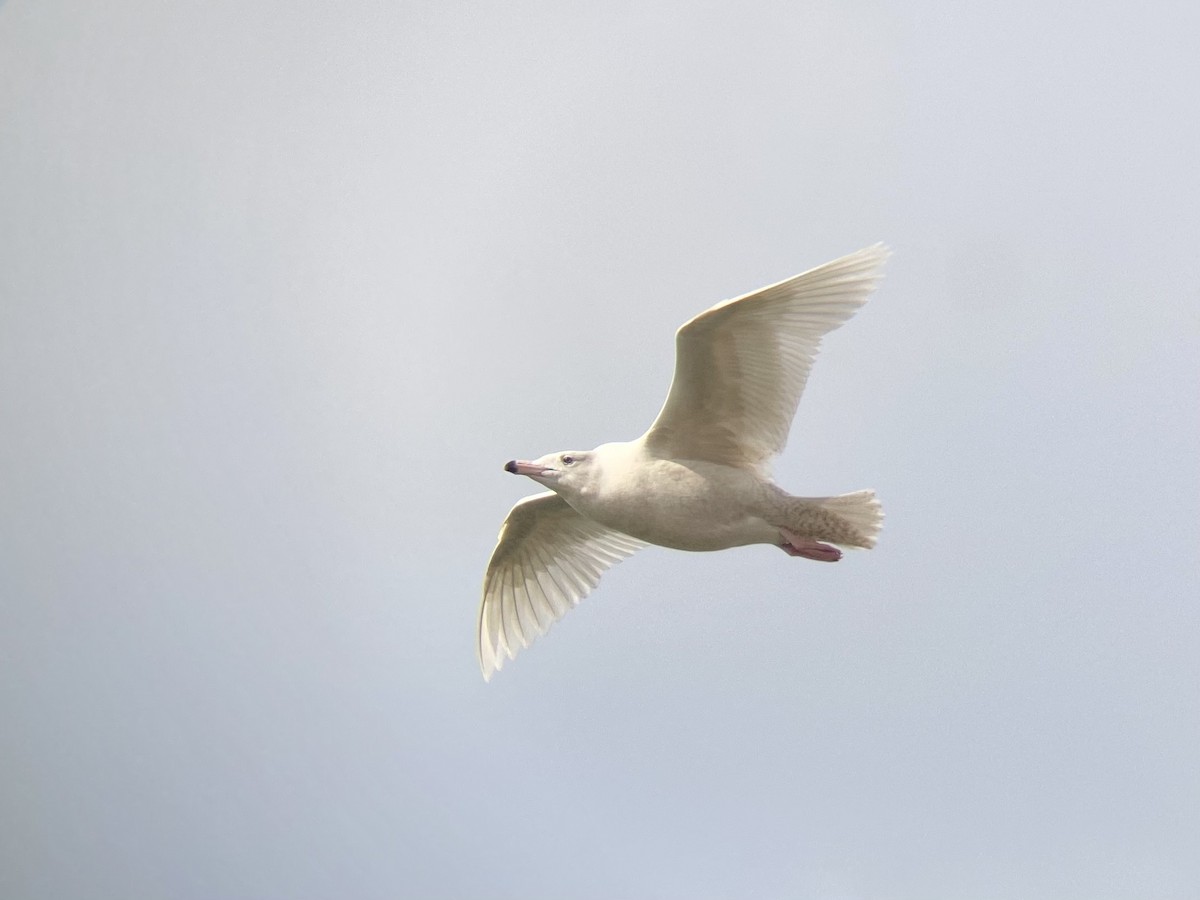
<point x="852" y="520"/>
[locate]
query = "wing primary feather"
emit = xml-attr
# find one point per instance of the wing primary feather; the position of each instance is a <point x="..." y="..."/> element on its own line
<point x="513" y="637"/>
<point x="521" y="604"/>
<point x="483" y="648"/>
<point x="530" y="602"/>
<point x="558" y="596"/>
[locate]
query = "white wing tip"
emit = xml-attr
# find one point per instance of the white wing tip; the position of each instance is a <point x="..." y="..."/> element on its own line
<point x="492" y="652"/>
<point x="878" y="250"/>
<point x="870" y="257"/>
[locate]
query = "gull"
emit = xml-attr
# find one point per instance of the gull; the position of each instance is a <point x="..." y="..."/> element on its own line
<point x="699" y="478"/>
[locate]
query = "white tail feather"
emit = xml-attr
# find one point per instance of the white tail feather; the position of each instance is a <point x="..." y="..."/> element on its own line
<point x="859" y="510"/>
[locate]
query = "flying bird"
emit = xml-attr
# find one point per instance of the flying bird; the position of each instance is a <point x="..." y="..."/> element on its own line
<point x="699" y="478"/>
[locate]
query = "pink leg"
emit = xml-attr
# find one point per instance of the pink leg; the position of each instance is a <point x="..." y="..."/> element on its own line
<point x="794" y="545"/>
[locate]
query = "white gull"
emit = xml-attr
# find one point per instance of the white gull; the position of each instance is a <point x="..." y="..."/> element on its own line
<point x="699" y="479"/>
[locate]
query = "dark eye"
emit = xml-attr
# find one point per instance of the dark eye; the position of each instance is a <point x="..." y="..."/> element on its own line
<point x="568" y="460"/>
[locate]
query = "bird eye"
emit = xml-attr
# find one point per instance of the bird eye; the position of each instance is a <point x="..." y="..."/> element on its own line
<point x="568" y="460"/>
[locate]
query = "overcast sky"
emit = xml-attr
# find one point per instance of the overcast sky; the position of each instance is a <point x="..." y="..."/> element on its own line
<point x="282" y="287"/>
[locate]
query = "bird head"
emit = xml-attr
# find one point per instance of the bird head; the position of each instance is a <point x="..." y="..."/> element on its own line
<point x="569" y="473"/>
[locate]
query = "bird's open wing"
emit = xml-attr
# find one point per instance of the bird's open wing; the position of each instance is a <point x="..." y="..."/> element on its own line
<point x="547" y="559"/>
<point x="741" y="366"/>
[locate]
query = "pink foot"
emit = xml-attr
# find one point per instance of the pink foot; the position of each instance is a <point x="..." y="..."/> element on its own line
<point x="794" y="545"/>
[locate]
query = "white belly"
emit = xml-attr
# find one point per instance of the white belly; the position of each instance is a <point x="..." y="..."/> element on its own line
<point x="685" y="505"/>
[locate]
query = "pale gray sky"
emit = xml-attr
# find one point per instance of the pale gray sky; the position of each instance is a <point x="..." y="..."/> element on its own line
<point x="282" y="286"/>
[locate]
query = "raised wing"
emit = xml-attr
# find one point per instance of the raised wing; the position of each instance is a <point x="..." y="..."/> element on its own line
<point x="741" y="366"/>
<point x="547" y="559"/>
